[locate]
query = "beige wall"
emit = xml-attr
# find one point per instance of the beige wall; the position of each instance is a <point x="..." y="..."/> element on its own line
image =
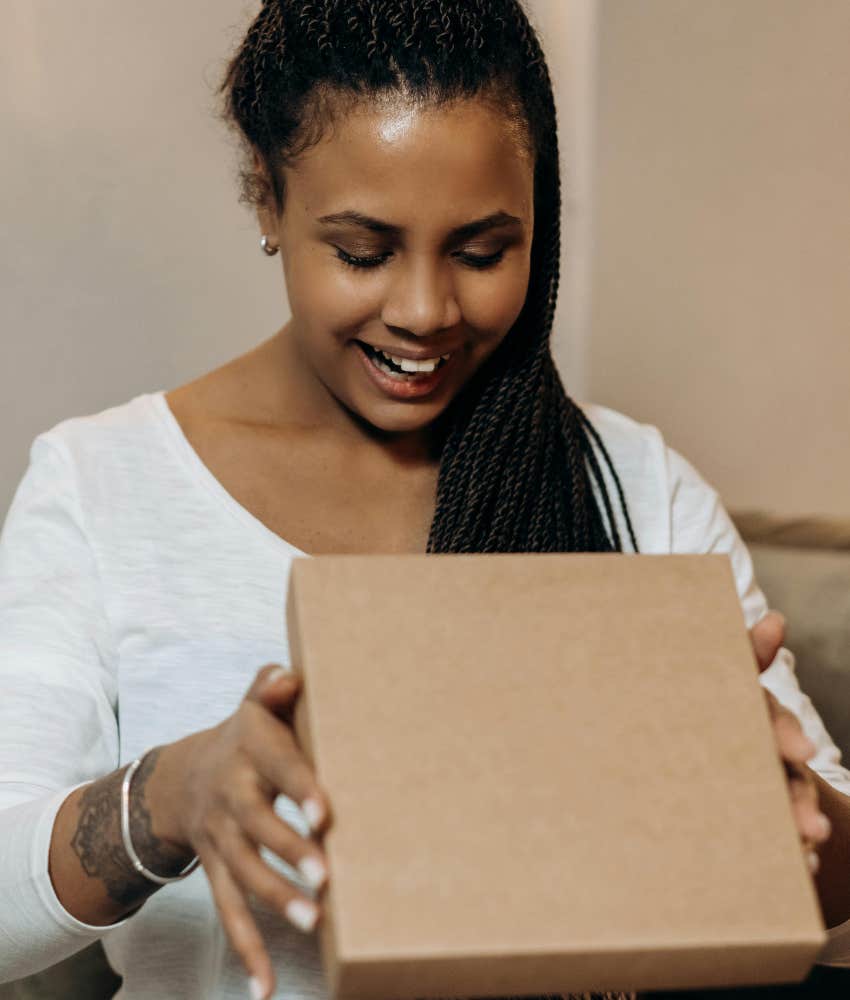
<point x="721" y="269"/>
<point x="568" y="31"/>
<point x="126" y="262"/>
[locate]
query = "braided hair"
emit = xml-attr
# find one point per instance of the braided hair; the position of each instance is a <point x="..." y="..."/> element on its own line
<point x="518" y="469"/>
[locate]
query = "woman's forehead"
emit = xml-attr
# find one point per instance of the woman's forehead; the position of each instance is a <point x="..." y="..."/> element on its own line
<point x="408" y="156"/>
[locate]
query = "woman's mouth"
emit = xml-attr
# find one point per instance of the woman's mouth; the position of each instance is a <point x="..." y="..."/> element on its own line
<point x="390" y="376"/>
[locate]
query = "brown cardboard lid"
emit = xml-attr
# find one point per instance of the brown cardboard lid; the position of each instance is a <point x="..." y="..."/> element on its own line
<point x="535" y="759"/>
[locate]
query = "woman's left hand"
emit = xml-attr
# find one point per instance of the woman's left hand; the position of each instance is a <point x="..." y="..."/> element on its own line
<point x="794" y="747"/>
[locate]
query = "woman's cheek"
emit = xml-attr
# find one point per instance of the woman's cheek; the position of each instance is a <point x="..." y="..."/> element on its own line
<point x="495" y="304"/>
<point x="327" y="295"/>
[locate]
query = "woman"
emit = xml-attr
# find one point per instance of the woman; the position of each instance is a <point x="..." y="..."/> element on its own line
<point x="403" y="161"/>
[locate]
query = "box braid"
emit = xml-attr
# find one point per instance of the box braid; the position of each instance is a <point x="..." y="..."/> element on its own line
<point x="519" y="468"/>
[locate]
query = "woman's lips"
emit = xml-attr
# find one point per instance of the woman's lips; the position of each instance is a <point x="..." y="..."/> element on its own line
<point x="402" y="388"/>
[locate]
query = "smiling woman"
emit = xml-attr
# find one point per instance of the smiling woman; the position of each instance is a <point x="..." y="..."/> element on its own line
<point x="416" y="278"/>
<point x="414" y="194"/>
<point x="402" y="159"/>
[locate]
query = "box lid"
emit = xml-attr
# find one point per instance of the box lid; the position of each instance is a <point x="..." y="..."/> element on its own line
<point x="548" y="773"/>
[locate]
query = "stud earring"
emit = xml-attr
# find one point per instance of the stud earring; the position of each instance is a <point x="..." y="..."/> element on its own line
<point x="269" y="249"/>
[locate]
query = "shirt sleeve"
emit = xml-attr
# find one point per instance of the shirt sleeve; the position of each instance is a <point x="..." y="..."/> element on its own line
<point x="700" y="523"/>
<point x="58" y="724"/>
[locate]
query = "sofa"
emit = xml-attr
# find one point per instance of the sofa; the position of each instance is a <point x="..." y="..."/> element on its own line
<point x="803" y="567"/>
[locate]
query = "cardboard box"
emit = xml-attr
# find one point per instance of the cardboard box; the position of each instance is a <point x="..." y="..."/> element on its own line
<point x="549" y="773"/>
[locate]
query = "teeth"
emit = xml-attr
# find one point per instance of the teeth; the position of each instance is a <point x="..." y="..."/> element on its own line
<point x="385" y="368"/>
<point x="408" y="365"/>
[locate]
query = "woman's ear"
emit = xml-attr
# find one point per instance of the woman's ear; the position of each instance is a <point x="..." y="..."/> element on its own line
<point x="266" y="216"/>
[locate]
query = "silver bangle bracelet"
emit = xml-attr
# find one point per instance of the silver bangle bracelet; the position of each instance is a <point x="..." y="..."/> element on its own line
<point x="125" y="833"/>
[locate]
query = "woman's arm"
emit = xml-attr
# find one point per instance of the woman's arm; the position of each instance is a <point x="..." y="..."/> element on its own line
<point x="58" y="710"/>
<point x="812" y="796"/>
<point x="833" y="875"/>
<point x="89" y="867"/>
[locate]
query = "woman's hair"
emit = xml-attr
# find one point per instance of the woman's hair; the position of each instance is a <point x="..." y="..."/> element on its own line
<point x="517" y="462"/>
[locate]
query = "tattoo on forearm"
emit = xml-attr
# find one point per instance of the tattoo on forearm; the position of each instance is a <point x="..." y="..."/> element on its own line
<point x="97" y="841"/>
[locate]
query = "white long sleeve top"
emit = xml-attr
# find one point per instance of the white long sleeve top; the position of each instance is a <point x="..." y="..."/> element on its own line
<point x="137" y="601"/>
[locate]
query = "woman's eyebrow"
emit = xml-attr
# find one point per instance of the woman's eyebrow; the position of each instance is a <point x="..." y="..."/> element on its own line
<point x="466" y="231"/>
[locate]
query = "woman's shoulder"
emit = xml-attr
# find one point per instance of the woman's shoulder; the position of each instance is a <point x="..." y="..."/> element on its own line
<point x="642" y="448"/>
<point x="637" y="449"/>
<point x="86" y="476"/>
<point x="117" y="431"/>
<point x="99" y="426"/>
<point x="674" y="508"/>
<point x="104" y="453"/>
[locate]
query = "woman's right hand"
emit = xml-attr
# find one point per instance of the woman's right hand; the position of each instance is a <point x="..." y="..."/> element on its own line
<point x="218" y="801"/>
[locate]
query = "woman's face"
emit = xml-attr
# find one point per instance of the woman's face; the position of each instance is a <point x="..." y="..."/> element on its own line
<point x="406" y="230"/>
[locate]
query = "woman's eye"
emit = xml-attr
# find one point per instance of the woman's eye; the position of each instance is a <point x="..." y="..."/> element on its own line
<point x="470" y="259"/>
<point x="476" y="260"/>
<point x="363" y="262"/>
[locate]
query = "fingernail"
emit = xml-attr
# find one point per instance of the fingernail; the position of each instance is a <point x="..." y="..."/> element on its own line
<point x="814" y="861"/>
<point x="313" y="871"/>
<point x="256" y="988"/>
<point x="275" y="675"/>
<point x="313" y="813"/>
<point x="824" y="825"/>
<point x="302" y="914"/>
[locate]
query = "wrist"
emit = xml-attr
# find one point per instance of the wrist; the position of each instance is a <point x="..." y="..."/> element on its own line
<point x="157" y="793"/>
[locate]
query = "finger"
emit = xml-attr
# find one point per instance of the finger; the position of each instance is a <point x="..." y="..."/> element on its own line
<point x="279" y="760"/>
<point x="767" y="636"/>
<point x="261" y="825"/>
<point x="811" y="823"/>
<point x="239" y="924"/>
<point x="277" y="689"/>
<point x="253" y="875"/>
<point x="274" y="686"/>
<point x="792" y="743"/>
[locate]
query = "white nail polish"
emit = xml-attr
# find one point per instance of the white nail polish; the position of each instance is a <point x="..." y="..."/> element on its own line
<point x="302" y="914"/>
<point x="313" y="871"/>
<point x="313" y="813"/>
<point x="256" y="988"/>
<point x="824" y="824"/>
<point x="275" y="675"/>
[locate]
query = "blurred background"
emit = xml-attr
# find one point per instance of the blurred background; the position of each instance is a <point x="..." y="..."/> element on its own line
<point x="706" y="157"/>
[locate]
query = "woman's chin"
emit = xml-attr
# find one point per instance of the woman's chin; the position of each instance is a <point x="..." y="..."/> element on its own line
<point x="395" y="418"/>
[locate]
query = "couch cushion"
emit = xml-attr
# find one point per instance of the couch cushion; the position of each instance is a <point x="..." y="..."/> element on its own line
<point x="84" y="976"/>
<point x="762" y="528"/>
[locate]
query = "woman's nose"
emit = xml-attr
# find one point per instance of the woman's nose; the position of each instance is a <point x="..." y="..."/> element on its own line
<point x="421" y="299"/>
